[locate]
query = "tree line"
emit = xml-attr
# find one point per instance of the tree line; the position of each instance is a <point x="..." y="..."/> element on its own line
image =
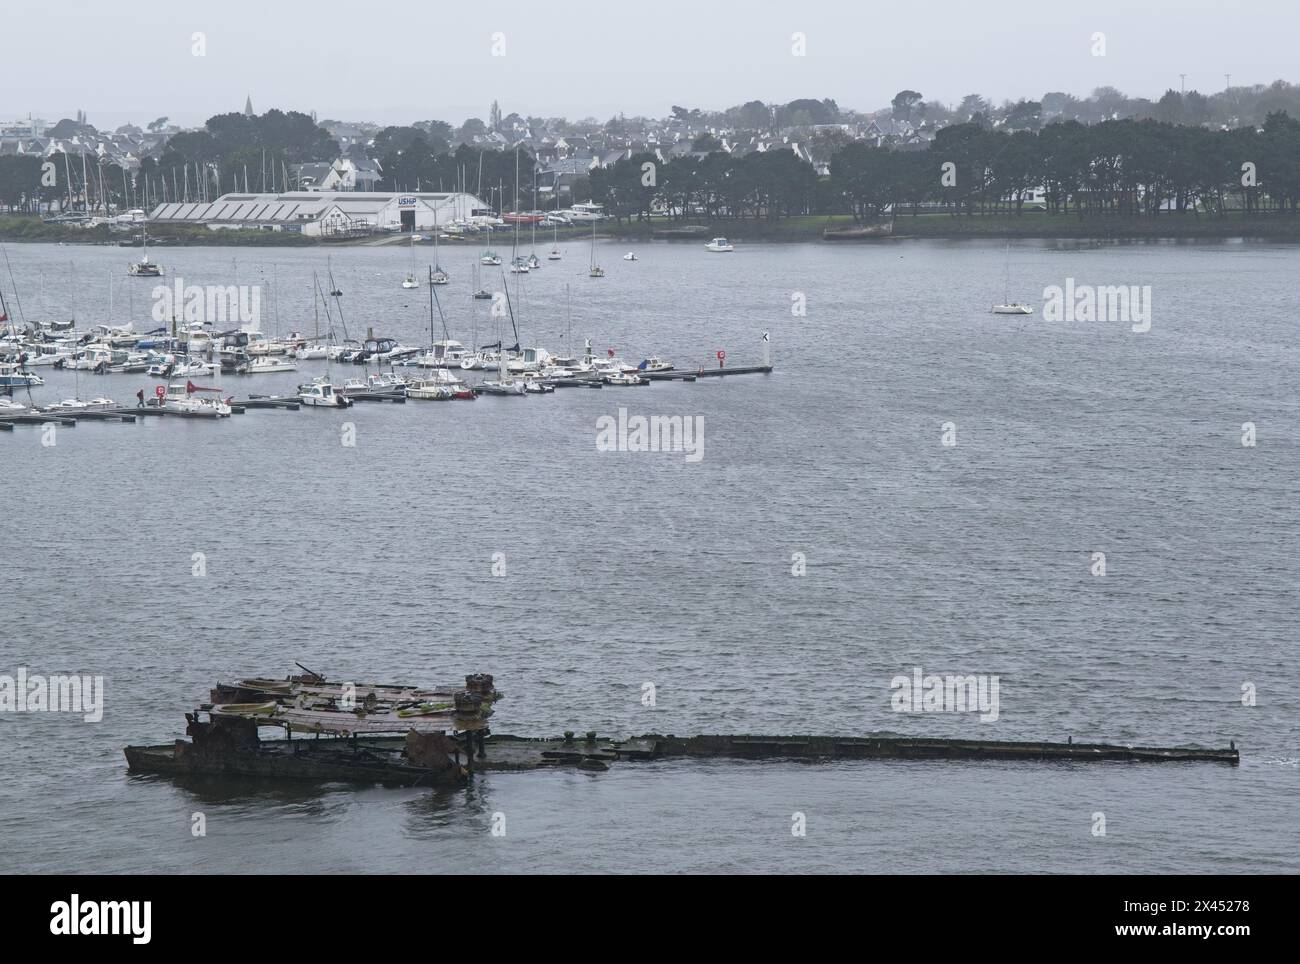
<point x="1120" y="168"/>
<point x="1126" y="168"/>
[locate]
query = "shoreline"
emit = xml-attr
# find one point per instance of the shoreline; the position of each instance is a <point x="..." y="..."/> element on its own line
<point x="1037" y="226"/>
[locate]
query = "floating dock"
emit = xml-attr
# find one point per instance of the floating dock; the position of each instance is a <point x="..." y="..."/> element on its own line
<point x="292" y="403"/>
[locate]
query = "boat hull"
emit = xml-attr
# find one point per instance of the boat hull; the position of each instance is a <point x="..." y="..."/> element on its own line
<point x="320" y="761"/>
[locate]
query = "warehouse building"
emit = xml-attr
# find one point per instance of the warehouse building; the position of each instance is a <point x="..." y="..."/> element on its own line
<point x="326" y="214"/>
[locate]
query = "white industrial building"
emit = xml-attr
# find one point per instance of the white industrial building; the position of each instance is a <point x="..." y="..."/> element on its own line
<point x="323" y="214"/>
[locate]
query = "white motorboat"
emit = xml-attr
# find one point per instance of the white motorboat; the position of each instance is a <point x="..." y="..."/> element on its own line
<point x="270" y="364"/>
<point x="9" y="407"/>
<point x="719" y="245"/>
<point x="622" y="379"/>
<point x="319" y="393"/>
<point x="185" y="367"/>
<point x="585" y="212"/>
<point x="630" y="257"/>
<point x="429" y="389"/>
<point x="503" y="387"/>
<point x="445" y="353"/>
<point x="655" y="364"/>
<point x="12" y="376"/>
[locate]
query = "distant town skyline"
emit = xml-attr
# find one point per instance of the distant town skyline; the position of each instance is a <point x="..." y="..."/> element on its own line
<point x="195" y="60"/>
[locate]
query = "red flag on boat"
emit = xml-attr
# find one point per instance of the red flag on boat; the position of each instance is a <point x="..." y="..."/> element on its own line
<point x="190" y="388"/>
<point x="610" y="352"/>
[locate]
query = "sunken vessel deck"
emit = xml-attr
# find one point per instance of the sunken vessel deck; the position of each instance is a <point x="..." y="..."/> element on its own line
<point x="408" y="736"/>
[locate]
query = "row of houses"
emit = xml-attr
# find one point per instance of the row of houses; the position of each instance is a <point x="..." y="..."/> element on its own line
<point x="126" y="147"/>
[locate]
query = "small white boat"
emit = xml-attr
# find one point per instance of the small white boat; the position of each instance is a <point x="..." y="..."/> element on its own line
<point x="9" y="407"/>
<point x="188" y="366"/>
<point x="73" y="405"/>
<point x="320" y="394"/>
<point x="410" y="282"/>
<point x="623" y="379"/>
<point x="144" y="268"/>
<point x="11" y="376"/>
<point x="554" y="255"/>
<point x="503" y="386"/>
<point x="630" y="257"/>
<point x="384" y="383"/>
<point x="185" y="398"/>
<point x="269" y="364"/>
<point x="719" y="244"/>
<point x="491" y="259"/>
<point x="429" y="389"/>
<point x="1009" y="307"/>
<point x="596" y="272"/>
<point x="444" y="354"/>
<point x="439" y="277"/>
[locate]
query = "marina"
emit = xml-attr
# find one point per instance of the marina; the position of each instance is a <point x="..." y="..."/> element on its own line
<point x="191" y="368"/>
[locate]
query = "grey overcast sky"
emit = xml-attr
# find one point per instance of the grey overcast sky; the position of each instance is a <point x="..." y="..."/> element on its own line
<point x="397" y="62"/>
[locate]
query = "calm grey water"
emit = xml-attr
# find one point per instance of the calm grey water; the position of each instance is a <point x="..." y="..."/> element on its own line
<point x="626" y="568"/>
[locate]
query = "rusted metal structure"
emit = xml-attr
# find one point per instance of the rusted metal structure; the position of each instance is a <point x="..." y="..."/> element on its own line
<point x="409" y="736"/>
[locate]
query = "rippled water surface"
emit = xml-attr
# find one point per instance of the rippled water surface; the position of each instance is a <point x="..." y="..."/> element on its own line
<point x="626" y="568"/>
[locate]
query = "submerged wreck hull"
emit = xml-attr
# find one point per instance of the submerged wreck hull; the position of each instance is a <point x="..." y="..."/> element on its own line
<point x="400" y="735"/>
<point x="310" y="760"/>
<point x="908" y="748"/>
<point x="383" y="760"/>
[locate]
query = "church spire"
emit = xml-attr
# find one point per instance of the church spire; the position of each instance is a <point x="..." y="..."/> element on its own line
<point x="248" y="106"/>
